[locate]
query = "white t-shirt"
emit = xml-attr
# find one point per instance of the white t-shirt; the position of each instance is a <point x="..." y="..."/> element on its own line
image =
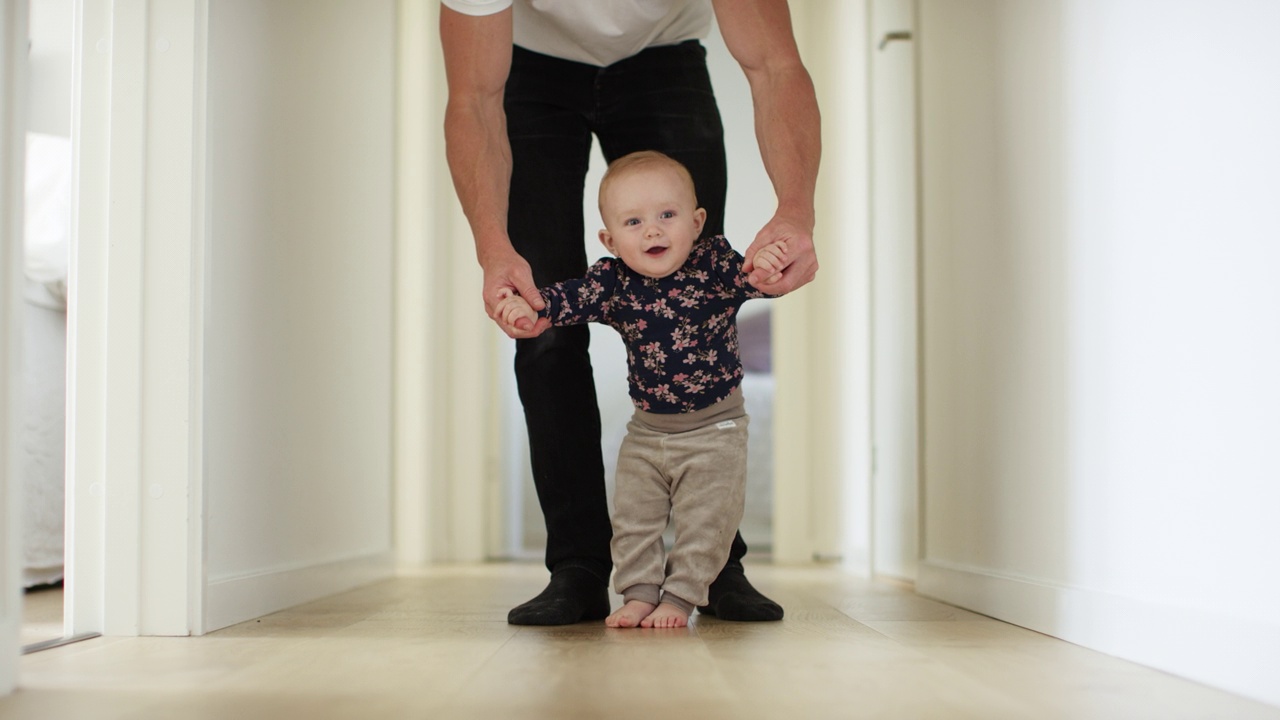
<point x="596" y="32"/>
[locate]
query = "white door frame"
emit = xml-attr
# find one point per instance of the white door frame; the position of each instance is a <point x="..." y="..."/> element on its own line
<point x="821" y="347"/>
<point x="13" y="123"/>
<point x="447" y="465"/>
<point x="135" y="321"/>
<point x="894" y="239"/>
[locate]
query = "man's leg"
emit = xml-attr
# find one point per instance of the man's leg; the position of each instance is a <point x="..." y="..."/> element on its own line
<point x="662" y="100"/>
<point x="550" y="143"/>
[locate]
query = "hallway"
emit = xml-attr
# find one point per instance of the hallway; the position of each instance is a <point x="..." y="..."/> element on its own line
<point x="436" y="645"/>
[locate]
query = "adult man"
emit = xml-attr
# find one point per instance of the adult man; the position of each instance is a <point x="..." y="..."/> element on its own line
<point x="528" y="86"/>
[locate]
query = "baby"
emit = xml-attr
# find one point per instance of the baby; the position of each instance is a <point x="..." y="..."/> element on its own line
<point x="673" y="296"/>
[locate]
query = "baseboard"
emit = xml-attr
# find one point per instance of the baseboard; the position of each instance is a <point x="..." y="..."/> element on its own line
<point x="1239" y="655"/>
<point x="234" y="600"/>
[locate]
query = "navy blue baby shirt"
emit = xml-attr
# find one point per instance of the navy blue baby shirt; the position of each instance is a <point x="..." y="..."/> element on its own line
<point x="680" y="331"/>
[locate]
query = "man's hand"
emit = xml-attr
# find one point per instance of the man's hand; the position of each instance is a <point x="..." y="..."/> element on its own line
<point x="799" y="266"/>
<point x="507" y="275"/>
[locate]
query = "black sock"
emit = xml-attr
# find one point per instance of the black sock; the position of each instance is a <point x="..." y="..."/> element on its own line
<point x="731" y="597"/>
<point x="573" y="595"/>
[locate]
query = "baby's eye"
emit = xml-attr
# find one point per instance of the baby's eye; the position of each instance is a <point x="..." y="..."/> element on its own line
<point x="632" y="221"/>
<point x="668" y="214"/>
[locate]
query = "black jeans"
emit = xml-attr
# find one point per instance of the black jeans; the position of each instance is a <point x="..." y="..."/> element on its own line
<point x="659" y="99"/>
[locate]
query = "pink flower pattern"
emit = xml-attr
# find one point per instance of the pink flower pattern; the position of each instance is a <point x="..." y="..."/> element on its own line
<point x="680" y="331"/>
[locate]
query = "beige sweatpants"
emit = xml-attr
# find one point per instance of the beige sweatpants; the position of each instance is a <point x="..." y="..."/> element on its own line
<point x="692" y="466"/>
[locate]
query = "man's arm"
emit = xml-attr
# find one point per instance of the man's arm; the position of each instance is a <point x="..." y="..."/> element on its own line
<point x="758" y="35"/>
<point x="477" y="59"/>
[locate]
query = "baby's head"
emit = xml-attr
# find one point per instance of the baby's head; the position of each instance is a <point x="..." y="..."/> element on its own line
<point x="650" y="212"/>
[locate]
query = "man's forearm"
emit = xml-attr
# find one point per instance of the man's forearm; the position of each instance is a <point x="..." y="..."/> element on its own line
<point x="479" y="157"/>
<point x="788" y="128"/>
<point x="477" y="59"/>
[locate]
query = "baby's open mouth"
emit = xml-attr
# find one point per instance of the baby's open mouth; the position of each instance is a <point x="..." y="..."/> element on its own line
<point x="655" y="250"/>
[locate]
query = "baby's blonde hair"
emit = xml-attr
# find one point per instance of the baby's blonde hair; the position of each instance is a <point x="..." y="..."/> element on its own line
<point x="643" y="158"/>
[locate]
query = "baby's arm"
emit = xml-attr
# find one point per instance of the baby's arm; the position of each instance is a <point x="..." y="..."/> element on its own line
<point x="771" y="259"/>
<point x="512" y="307"/>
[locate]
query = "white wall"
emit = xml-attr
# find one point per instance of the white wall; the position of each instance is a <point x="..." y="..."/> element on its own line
<point x="49" y="67"/>
<point x="298" y="343"/>
<point x="1100" y="335"/>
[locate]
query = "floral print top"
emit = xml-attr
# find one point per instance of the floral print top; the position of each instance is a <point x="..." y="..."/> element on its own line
<point x="680" y="331"/>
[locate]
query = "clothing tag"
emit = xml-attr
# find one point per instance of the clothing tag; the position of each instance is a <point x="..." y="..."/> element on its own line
<point x="726" y="425"/>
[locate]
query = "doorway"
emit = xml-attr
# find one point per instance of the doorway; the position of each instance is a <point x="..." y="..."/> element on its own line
<point x="47" y="231"/>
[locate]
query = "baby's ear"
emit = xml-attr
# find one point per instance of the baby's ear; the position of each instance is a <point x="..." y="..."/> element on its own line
<point x="607" y="240"/>
<point x="699" y="218"/>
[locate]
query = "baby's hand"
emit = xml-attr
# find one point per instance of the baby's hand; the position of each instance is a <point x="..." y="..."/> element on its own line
<point x="511" y="308"/>
<point x="771" y="259"/>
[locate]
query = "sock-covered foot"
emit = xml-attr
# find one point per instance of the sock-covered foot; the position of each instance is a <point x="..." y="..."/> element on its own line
<point x="573" y="595"/>
<point x="630" y="614"/>
<point x="731" y="597"/>
<point x="666" y="616"/>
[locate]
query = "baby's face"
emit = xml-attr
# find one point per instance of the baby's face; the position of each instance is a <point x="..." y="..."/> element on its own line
<point x="651" y="219"/>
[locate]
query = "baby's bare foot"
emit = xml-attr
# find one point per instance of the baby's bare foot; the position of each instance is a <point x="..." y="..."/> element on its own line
<point x="666" y="616"/>
<point x="629" y="615"/>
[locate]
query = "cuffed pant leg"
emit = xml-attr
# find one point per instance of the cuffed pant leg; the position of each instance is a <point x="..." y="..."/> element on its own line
<point x="651" y="594"/>
<point x="642" y="503"/>
<point x="708" y="468"/>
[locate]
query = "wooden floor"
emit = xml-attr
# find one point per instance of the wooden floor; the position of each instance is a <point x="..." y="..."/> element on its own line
<point x="41" y="615"/>
<point x="437" y="645"/>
